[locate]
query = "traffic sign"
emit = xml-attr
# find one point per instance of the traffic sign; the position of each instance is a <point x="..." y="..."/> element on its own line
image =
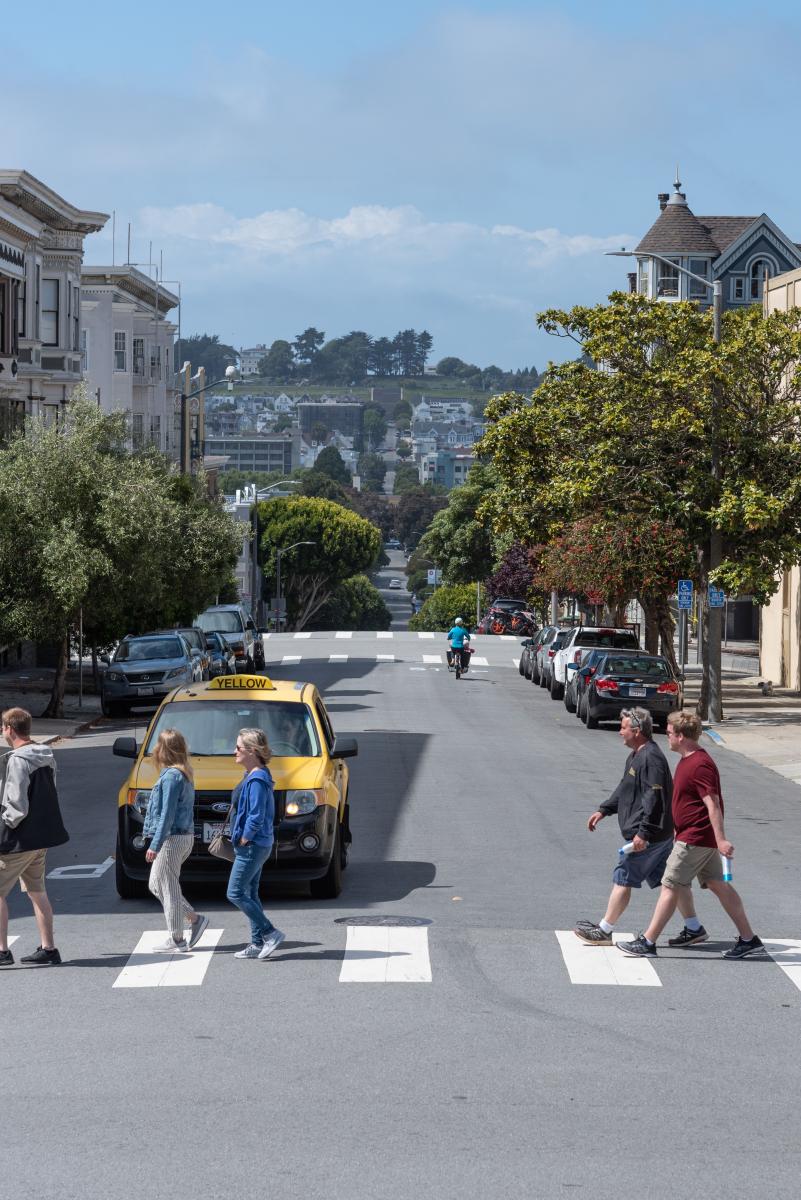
<point x="717" y="597"/>
<point x="685" y="593"/>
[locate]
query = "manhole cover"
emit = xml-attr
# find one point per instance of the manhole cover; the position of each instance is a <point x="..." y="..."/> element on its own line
<point x="379" y="920"/>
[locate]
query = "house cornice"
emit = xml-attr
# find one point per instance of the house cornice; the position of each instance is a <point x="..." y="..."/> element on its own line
<point x="761" y="227"/>
<point x="135" y="283"/>
<point x="18" y="224"/>
<point x="41" y="202"/>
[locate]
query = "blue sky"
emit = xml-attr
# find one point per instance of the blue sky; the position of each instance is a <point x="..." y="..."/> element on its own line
<point x="457" y="167"/>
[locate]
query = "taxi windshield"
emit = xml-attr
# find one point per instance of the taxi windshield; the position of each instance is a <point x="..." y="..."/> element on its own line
<point x="142" y="648"/>
<point x="211" y="728"/>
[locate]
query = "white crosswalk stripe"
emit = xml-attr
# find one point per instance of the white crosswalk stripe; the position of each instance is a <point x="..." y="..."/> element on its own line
<point x="385" y="633"/>
<point x="425" y="635"/>
<point x="386" y="954"/>
<point x="289" y="659"/>
<point x="478" y="661"/>
<point x="786" y="953"/>
<point x="432" y="658"/>
<point x="302" y="635"/>
<point x="145" y="969"/>
<point x="515" y="662"/>
<point x="332" y="658"/>
<point x="385" y="657"/>
<point x="345" y="633"/>
<point x="604" y="965"/>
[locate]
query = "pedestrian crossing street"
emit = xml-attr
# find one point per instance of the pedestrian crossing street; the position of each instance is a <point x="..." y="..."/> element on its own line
<point x="398" y="953"/>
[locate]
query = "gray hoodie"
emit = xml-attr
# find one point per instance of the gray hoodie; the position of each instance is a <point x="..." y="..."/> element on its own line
<point x="30" y="818"/>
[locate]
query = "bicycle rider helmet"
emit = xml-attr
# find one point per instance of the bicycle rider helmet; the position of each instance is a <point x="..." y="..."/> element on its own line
<point x="458" y="621"/>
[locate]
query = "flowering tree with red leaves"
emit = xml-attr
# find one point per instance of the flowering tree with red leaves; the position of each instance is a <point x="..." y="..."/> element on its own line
<point x="612" y="562"/>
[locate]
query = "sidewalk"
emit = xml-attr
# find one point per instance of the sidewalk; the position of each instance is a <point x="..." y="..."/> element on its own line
<point x="31" y="689"/>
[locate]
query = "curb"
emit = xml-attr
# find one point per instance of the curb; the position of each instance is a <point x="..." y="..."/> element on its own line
<point x="716" y="738"/>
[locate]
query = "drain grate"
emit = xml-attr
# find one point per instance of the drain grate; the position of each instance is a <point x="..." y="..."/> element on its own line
<point x="379" y="920"/>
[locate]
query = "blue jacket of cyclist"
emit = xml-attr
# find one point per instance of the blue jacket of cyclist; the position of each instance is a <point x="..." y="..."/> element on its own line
<point x="458" y="635"/>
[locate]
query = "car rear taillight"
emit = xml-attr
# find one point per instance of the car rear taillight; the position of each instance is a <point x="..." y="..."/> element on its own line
<point x="577" y="656"/>
<point x="551" y="653"/>
<point x="606" y="685"/>
<point x="671" y="688"/>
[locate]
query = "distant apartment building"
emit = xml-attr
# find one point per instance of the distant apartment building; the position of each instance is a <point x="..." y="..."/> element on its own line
<point x="342" y="416"/>
<point x="41" y="252"/>
<point x="449" y="468"/>
<point x="249" y="360"/>
<point x="258" y="452"/>
<point x="127" y="342"/>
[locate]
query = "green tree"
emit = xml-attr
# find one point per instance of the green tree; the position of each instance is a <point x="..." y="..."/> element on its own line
<point x="675" y="428"/>
<point x="355" y="604"/>
<point x="331" y="463"/>
<point x="316" y="483"/>
<point x="278" y="364"/>
<point x="415" y="512"/>
<point x="372" y="469"/>
<point x="402" y="413"/>
<point x="407" y="479"/>
<point x="375" y="508"/>
<point x="382" y="357"/>
<point x="403" y="449"/>
<point x="458" y="540"/>
<point x="375" y="427"/>
<point x="319" y="431"/>
<point x="206" y="350"/>
<point x="306" y="346"/>
<point x="443" y="606"/>
<point x="344" y="544"/>
<point x="120" y="537"/>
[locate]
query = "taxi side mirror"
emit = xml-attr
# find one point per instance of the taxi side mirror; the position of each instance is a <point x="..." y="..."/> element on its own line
<point x="125" y="747"/>
<point x="345" y="747"/>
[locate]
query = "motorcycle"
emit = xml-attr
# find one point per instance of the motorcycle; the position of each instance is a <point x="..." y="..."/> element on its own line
<point x="459" y="660"/>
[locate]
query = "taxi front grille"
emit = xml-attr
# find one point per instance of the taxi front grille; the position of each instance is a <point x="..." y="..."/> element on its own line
<point x="205" y="802"/>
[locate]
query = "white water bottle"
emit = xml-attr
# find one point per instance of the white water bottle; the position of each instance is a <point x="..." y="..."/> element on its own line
<point x="726" y="863"/>
<point x="624" y="850"/>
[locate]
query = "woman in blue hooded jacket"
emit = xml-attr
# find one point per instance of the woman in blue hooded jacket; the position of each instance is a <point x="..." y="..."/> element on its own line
<point x="252" y="839"/>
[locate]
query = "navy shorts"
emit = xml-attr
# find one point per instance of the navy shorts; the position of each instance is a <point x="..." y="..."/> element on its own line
<point x="646" y="865"/>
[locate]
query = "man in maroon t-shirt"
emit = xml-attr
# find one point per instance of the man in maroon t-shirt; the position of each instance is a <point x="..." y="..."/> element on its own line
<point x="700" y="840"/>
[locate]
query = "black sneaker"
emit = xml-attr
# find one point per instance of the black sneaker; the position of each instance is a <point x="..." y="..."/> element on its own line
<point x="593" y="935"/>
<point x="6" y="958"/>
<point x="741" y="949"/>
<point x="42" y="958"/>
<point x="689" y="937"/>
<point x="639" y="948"/>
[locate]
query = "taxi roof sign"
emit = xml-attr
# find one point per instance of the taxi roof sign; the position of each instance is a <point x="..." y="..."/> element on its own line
<point x="241" y="683"/>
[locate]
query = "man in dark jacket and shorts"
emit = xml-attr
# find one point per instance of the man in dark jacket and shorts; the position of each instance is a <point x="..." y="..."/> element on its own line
<point x="642" y="801"/>
<point x="30" y="823"/>
<point x="700" y="842"/>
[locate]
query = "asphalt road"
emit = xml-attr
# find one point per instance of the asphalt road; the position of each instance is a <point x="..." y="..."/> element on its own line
<point x="499" y="1077"/>
<point x="397" y="600"/>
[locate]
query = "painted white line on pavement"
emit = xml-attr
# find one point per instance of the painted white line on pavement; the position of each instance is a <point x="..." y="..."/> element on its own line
<point x="14" y="937"/>
<point x="604" y="965"/>
<point x="432" y="658"/>
<point x="385" y="633"/>
<point x="786" y="953"/>
<point x="302" y="635"/>
<point x="477" y="661"/>
<point x="346" y="633"/>
<point x="515" y="662"/>
<point x="289" y="659"/>
<point x="418" y="668"/>
<point x="385" y="658"/>
<point x="337" y="658"/>
<point x="425" y="635"/>
<point x="81" y="870"/>
<point x="386" y="954"/>
<point x="145" y="969"/>
<point x="508" y="637"/>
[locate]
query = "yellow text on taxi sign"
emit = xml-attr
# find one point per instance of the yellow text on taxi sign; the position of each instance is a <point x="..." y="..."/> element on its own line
<point x="241" y="683"/>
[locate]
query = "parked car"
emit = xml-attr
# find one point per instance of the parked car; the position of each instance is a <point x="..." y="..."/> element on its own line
<point x="528" y="653"/>
<point x="579" y="673"/>
<point x="395" y="584"/>
<point x="623" y="680"/>
<point x="223" y="659"/>
<point x="144" y="670"/>
<point x="239" y="630"/>
<point x="541" y="671"/>
<point x="196" y="640"/>
<point x="578" y="638"/>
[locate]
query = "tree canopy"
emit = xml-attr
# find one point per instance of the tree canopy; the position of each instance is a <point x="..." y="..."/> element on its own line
<point x="205" y="350"/>
<point x="457" y="540"/>
<point x="330" y="462"/>
<point x="444" y="605"/>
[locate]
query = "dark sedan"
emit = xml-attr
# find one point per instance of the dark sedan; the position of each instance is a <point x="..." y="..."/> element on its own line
<point x="625" y="680"/>
<point x="223" y="659"/>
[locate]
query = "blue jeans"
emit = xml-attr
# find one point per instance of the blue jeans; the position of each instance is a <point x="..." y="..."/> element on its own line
<point x="243" y="888"/>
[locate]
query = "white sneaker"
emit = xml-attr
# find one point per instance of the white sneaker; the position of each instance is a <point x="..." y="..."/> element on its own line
<point x="251" y="951"/>
<point x="172" y="947"/>
<point x="271" y="943"/>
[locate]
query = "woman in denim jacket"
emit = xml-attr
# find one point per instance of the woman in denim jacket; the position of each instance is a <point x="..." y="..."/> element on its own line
<point x="252" y="839"/>
<point x="169" y="823"/>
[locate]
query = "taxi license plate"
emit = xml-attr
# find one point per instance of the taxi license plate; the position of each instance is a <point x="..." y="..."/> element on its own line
<point x="635" y="691"/>
<point x="210" y="831"/>
<point x="145" y="691"/>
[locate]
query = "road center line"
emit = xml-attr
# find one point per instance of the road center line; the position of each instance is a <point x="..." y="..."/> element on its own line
<point x="604" y="965"/>
<point x="386" y="954"/>
<point x="145" y="969"/>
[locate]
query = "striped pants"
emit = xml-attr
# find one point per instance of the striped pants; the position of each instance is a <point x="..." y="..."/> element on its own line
<point x="165" y="881"/>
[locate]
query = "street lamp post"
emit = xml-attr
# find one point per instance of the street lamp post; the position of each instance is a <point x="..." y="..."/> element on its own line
<point x="279" y="553"/>
<point x="230" y="375"/>
<point x="714" y="624"/>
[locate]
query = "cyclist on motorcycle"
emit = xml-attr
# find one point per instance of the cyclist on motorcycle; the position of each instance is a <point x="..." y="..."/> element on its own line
<point x="457" y="636"/>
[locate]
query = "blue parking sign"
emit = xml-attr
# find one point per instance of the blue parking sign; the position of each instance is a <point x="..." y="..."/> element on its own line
<point x="717" y="597"/>
<point x="685" y="593"/>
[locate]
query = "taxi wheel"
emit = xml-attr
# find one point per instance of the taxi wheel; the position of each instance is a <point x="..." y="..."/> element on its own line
<point x="329" y="887"/>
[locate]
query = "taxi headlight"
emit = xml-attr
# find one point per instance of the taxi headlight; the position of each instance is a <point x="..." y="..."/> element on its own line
<point x="138" y="799"/>
<point x="298" y="803"/>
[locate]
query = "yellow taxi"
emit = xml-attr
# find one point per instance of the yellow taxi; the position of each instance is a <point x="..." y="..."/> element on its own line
<point x="312" y="826"/>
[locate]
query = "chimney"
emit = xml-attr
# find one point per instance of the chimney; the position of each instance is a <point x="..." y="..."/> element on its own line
<point x="663" y="198"/>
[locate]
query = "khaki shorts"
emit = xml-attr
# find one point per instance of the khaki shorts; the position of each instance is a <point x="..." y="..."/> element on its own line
<point x="27" y="866"/>
<point x="687" y="863"/>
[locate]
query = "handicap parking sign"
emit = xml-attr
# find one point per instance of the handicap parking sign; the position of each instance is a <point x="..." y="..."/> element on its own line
<point x="685" y="593"/>
<point x="717" y="597"/>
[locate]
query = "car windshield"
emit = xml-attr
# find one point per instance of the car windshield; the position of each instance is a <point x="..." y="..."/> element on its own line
<point x="215" y="641"/>
<point x="559" y="638"/>
<point x="142" y="648"/>
<point x="644" y="668"/>
<point x="607" y="637"/>
<point x="225" y="622"/>
<point x="211" y="729"/>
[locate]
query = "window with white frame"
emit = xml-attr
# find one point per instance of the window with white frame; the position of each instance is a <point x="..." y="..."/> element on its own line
<point x="137" y="430"/>
<point x="84" y="349"/>
<point x="756" y="277"/>
<point x="155" y="362"/>
<point x="155" y="430"/>
<point x="120" y="350"/>
<point x="643" y="276"/>
<point x="738" y="288"/>
<point x="138" y="356"/>
<point x="699" y="266"/>
<point x="667" y="280"/>
<point x="50" y="299"/>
